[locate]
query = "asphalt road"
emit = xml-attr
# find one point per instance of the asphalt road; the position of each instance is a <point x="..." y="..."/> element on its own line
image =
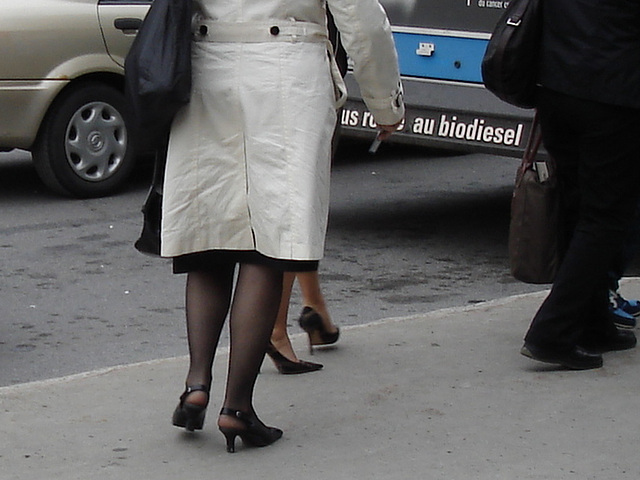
<point x="410" y="231"/>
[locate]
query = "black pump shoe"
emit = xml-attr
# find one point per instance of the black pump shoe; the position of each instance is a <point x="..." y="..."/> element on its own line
<point x="289" y="367"/>
<point x="254" y="432"/>
<point x="188" y="415"/>
<point x="311" y="322"/>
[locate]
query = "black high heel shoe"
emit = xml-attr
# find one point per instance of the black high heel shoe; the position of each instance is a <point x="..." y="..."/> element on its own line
<point x="311" y="322"/>
<point x="188" y="415"/>
<point x="254" y="433"/>
<point x="289" y="367"/>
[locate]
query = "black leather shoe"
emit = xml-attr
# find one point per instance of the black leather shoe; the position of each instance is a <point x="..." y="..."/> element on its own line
<point x="621" y="340"/>
<point x="189" y="415"/>
<point x="311" y="322"/>
<point x="576" y="358"/>
<point x="289" y="367"/>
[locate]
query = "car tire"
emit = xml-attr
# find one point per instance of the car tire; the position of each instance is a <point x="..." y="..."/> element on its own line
<point x="84" y="147"/>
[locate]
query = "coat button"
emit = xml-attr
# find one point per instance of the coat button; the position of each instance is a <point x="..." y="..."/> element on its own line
<point x="203" y="30"/>
<point x="275" y="30"/>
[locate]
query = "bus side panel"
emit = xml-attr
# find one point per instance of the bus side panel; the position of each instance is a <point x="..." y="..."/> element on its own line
<point x="422" y="55"/>
<point x="444" y="115"/>
<point x="440" y="47"/>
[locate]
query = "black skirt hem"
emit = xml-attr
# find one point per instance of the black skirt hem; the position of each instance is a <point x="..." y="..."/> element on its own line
<point x="213" y="259"/>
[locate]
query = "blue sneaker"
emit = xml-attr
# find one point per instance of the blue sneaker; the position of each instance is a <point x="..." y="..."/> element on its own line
<point x="622" y="319"/>
<point x="620" y="310"/>
<point x="632" y="307"/>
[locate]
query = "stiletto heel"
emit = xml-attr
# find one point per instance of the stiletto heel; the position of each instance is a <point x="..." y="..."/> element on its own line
<point x="253" y="432"/>
<point x="231" y="439"/>
<point x="289" y="367"/>
<point x="188" y="415"/>
<point x="311" y="322"/>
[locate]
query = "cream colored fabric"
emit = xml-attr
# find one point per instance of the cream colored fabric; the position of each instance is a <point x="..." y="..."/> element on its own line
<point x="249" y="157"/>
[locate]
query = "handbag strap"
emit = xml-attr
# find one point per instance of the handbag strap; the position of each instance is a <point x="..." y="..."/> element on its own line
<point x="533" y="144"/>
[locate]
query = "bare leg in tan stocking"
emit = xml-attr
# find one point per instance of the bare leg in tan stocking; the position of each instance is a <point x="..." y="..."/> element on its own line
<point x="312" y="297"/>
<point x="279" y="336"/>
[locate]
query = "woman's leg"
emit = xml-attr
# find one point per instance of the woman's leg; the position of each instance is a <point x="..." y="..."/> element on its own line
<point x="280" y="336"/>
<point x="282" y="353"/>
<point x="312" y="297"/>
<point x="253" y="313"/>
<point x="208" y="296"/>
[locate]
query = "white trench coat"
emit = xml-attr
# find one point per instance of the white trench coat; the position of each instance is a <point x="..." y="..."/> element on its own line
<point x="249" y="156"/>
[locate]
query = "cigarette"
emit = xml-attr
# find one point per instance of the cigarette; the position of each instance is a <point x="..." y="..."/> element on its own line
<point x="375" y="144"/>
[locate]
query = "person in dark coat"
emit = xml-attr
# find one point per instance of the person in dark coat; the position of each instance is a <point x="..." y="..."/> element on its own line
<point x="589" y="108"/>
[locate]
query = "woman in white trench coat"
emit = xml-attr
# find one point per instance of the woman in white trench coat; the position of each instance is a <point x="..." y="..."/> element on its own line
<point x="247" y="177"/>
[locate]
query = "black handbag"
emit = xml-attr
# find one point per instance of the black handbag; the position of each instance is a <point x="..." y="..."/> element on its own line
<point x="158" y="69"/>
<point x="510" y="63"/>
<point x="535" y="228"/>
<point x="157" y="85"/>
<point x="149" y="241"/>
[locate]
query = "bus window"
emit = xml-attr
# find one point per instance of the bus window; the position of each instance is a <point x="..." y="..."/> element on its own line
<point x="440" y="47"/>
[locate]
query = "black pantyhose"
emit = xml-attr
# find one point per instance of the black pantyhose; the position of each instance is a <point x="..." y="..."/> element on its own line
<point x="253" y="313"/>
<point x="255" y="305"/>
<point x="208" y="296"/>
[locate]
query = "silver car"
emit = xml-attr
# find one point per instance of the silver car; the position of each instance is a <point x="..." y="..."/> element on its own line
<point x="61" y="89"/>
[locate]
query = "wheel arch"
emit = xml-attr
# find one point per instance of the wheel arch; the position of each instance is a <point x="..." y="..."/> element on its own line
<point x="110" y="79"/>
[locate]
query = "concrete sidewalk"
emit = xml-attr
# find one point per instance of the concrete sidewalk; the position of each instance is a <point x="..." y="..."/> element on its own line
<point x="444" y="395"/>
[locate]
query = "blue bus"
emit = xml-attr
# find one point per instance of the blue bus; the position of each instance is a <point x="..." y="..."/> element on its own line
<point x="440" y="47"/>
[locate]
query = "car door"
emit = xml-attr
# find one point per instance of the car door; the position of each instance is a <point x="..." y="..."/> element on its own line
<point x="46" y="40"/>
<point x="120" y="20"/>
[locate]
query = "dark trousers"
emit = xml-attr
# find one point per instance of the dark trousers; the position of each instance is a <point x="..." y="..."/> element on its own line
<point x="597" y="151"/>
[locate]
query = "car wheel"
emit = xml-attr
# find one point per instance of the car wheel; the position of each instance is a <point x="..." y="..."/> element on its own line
<point x="84" y="148"/>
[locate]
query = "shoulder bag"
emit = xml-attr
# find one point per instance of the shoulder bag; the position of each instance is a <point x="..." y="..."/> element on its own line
<point x="158" y="69"/>
<point x="157" y="85"/>
<point x="510" y="63"/>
